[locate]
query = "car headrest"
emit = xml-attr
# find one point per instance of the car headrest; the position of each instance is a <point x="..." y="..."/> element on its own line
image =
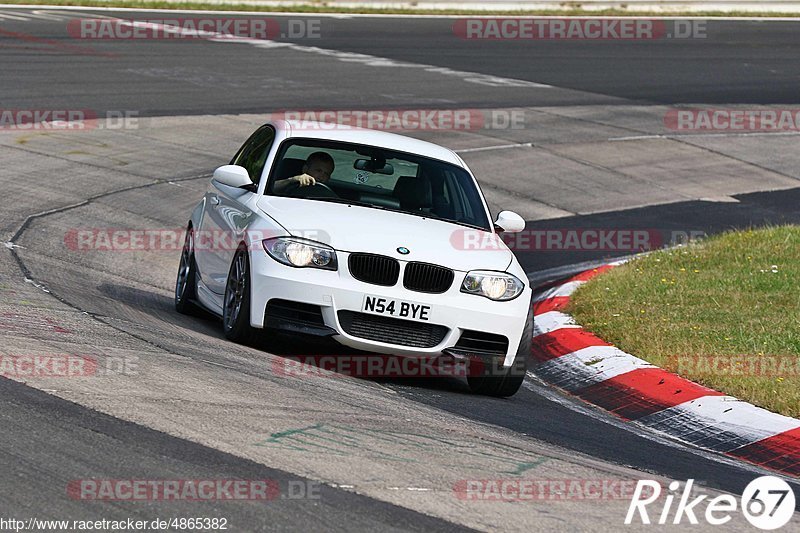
<point x="289" y="167"/>
<point x="413" y="192"/>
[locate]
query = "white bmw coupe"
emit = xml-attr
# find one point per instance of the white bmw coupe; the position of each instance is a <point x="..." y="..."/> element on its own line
<point x="374" y="239"/>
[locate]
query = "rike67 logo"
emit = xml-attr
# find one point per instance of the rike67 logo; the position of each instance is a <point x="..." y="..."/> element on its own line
<point x="768" y="503"/>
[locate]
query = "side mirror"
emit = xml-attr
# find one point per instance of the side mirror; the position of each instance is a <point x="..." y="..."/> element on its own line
<point x="509" y="222"/>
<point x="233" y="176"/>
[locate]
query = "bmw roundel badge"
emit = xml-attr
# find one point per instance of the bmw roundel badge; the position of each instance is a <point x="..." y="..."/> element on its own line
<point x="403" y="250"/>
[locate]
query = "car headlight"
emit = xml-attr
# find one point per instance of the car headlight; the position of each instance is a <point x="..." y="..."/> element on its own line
<point x="497" y="286"/>
<point x="296" y="252"/>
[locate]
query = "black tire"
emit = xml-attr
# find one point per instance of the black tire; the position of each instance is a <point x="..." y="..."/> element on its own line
<point x="236" y="303"/>
<point x="494" y="381"/>
<point x="186" y="282"/>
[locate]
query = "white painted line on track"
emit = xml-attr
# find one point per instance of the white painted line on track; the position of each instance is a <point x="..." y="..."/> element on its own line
<point x="350" y="57"/>
<point x="498" y="147"/>
<point x="4" y="15"/>
<point x="36" y="14"/>
<point x="691" y="135"/>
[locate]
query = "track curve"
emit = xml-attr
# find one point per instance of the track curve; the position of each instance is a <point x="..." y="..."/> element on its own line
<point x="393" y="442"/>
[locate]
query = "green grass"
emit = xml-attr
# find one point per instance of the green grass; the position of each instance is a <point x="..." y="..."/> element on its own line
<point x="322" y="7"/>
<point x="736" y="294"/>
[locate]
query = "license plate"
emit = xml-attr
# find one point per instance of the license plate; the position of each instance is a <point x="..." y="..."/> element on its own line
<point x="396" y="308"/>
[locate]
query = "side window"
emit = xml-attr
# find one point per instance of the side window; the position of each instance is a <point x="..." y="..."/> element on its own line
<point x="253" y="154"/>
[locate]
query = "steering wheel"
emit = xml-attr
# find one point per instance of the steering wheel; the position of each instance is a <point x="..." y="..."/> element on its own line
<point x="318" y="190"/>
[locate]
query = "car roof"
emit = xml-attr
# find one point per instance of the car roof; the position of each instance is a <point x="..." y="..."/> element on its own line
<point x="381" y="139"/>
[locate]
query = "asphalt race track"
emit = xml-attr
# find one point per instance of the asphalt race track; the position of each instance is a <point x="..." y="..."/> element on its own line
<point x="172" y="399"/>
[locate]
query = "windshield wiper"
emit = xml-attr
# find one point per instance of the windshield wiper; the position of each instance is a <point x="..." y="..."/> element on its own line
<point x="349" y="202"/>
<point x="443" y="219"/>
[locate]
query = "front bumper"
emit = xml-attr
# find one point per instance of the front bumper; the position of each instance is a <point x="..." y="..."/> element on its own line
<point x="335" y="291"/>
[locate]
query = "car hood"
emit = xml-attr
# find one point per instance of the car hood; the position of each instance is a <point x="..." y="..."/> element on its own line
<point x="364" y="229"/>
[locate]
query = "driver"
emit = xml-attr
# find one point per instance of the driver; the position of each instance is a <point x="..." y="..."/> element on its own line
<point x="318" y="168"/>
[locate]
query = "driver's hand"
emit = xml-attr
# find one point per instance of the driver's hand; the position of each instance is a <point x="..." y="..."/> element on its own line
<point x="305" y="180"/>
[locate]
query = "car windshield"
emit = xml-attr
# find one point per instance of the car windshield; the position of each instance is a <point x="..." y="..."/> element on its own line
<point x="379" y="178"/>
